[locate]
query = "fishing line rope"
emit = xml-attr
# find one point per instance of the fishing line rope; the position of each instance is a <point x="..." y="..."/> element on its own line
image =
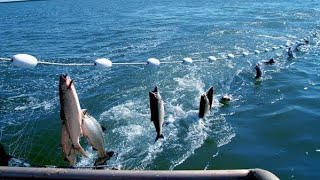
<point x="28" y="61"/>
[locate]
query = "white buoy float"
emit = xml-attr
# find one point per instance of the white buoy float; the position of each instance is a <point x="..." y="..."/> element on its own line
<point x="24" y="61"/>
<point x="103" y="63"/>
<point x="245" y="53"/>
<point x="266" y="50"/>
<point x="187" y="60"/>
<point x="288" y="44"/>
<point x="153" y="62"/>
<point x="230" y="56"/>
<point x="212" y="58"/>
<point x="274" y="48"/>
<point x="281" y="47"/>
<point x="257" y="52"/>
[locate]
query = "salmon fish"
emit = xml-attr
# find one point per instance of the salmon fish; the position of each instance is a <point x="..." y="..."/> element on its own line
<point x="157" y="111"/>
<point x="93" y="131"/>
<point x="205" y="103"/>
<point x="70" y="114"/>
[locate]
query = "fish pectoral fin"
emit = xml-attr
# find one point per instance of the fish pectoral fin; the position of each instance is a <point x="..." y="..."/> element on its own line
<point x="103" y="128"/>
<point x="69" y="87"/>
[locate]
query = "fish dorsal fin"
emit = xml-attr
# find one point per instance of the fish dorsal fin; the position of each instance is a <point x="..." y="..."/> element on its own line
<point x="84" y="111"/>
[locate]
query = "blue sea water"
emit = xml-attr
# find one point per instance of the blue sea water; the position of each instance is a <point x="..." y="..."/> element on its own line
<point x="272" y="124"/>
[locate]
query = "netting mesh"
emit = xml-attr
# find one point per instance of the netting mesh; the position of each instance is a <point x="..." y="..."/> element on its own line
<point x="118" y="100"/>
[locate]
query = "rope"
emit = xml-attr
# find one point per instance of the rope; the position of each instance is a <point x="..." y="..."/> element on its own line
<point x="313" y="33"/>
<point x="171" y="62"/>
<point x="5" y="59"/>
<point x="129" y="63"/>
<point x="200" y="60"/>
<point x="63" y="64"/>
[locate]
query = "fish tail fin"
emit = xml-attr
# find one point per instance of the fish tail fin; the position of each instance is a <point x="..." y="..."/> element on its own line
<point x="101" y="161"/>
<point x="159" y="137"/>
<point x="110" y="153"/>
<point x="81" y="151"/>
<point x="71" y="157"/>
<point x="104" y="159"/>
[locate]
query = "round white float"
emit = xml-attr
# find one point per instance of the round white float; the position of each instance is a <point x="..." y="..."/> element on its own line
<point x="266" y="50"/>
<point x="245" y="53"/>
<point x="274" y="48"/>
<point x="187" y="60"/>
<point x="24" y="61"/>
<point x="153" y="62"/>
<point x="230" y="56"/>
<point x="257" y="52"/>
<point x="212" y="58"/>
<point x="288" y="44"/>
<point x="103" y="63"/>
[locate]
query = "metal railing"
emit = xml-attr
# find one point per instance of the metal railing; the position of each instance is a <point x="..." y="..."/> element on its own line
<point x="80" y="174"/>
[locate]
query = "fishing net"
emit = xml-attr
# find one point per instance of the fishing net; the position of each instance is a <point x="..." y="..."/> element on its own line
<point x="118" y="98"/>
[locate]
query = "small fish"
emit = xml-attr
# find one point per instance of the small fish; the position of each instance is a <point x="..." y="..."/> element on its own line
<point x="297" y="47"/>
<point x="157" y="111"/>
<point x="258" y="72"/>
<point x="270" y="62"/>
<point x="93" y="131"/>
<point x="225" y="99"/>
<point x="70" y="113"/>
<point x="291" y="53"/>
<point x="205" y="103"/>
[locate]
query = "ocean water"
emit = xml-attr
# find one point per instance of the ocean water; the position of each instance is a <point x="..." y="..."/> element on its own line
<point x="271" y="124"/>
